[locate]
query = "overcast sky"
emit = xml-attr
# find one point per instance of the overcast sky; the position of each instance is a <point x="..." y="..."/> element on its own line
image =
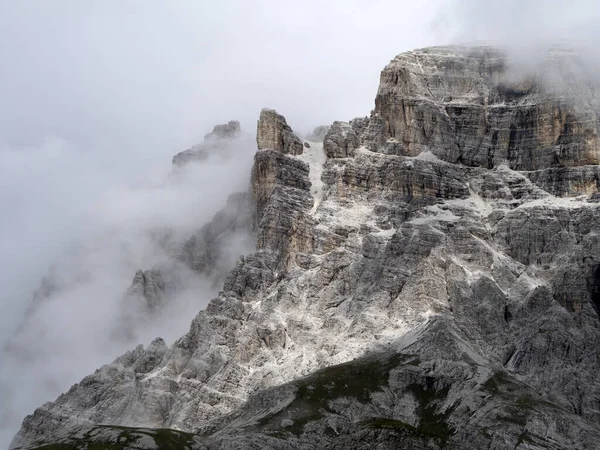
<point x="136" y="71"/>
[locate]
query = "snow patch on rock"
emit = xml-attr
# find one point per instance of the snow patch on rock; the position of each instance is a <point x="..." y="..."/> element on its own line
<point x="315" y="157"/>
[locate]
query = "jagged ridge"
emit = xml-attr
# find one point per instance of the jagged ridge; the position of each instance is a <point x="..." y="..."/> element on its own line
<point x="456" y="227"/>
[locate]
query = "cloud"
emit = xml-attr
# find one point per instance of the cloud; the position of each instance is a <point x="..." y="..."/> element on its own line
<point x="123" y="70"/>
<point x="523" y="26"/>
<point x="88" y="228"/>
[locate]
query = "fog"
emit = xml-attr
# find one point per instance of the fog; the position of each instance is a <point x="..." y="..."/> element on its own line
<point x="97" y="96"/>
<point x="524" y="27"/>
<point x="87" y="229"/>
<point x="522" y="23"/>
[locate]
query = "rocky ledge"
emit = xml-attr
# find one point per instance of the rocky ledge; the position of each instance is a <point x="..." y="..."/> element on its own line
<point x="427" y="277"/>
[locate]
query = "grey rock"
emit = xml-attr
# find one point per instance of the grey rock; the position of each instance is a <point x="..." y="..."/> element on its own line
<point x="150" y="285"/>
<point x="571" y="181"/>
<point x="221" y="142"/>
<point x="464" y="105"/>
<point x="340" y="141"/>
<point x="210" y="252"/>
<point x="230" y="130"/>
<point x="415" y="283"/>
<point x="281" y="197"/>
<point x="273" y="133"/>
<point x="215" y="247"/>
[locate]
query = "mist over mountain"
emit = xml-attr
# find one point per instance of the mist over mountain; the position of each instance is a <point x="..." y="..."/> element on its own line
<point x="304" y="254"/>
<point x="97" y="99"/>
<point x="98" y="240"/>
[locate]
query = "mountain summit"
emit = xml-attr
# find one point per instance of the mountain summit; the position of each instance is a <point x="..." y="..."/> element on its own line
<point x="427" y="277"/>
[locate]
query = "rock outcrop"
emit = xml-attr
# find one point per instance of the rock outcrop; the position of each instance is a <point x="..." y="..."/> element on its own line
<point x="215" y="246"/>
<point x="426" y="278"/>
<point x="340" y="141"/>
<point x="230" y="130"/>
<point x="274" y="133"/>
<point x="151" y="286"/>
<point x="464" y="105"/>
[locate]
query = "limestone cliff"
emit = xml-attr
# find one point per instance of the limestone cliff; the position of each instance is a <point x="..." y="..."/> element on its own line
<point x="274" y="133"/>
<point x="427" y="277"/>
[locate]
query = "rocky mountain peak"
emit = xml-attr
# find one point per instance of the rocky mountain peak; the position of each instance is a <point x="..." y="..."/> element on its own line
<point x="220" y="142"/>
<point x="273" y="133"/>
<point x="425" y="278"/>
<point x="230" y="130"/>
<point x="471" y="105"/>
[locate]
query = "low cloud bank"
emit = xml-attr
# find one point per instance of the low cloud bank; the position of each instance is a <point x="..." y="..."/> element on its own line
<point x="94" y="225"/>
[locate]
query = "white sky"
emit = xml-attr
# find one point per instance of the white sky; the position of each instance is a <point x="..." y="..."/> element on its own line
<point x="136" y="71"/>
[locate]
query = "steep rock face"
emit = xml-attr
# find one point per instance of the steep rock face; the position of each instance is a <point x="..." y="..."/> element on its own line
<point x="281" y="192"/>
<point x="274" y="133"/>
<point x="210" y="250"/>
<point x="465" y="105"/>
<point x="340" y="141"/>
<point x="282" y="197"/>
<point x="396" y="299"/>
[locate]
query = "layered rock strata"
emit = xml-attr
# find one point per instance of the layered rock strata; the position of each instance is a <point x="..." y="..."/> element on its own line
<point x="428" y="277"/>
<point x="273" y="133"/>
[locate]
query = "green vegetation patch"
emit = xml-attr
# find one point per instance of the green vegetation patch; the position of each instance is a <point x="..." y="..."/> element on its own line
<point x="357" y="379"/>
<point x="122" y="438"/>
<point x="518" y="394"/>
<point x="432" y="423"/>
<point x="518" y="399"/>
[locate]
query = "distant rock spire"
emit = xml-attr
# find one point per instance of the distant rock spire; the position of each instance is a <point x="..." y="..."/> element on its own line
<point x="230" y="130"/>
<point x="218" y="142"/>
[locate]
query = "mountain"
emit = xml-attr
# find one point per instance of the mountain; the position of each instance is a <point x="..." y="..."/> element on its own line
<point x="427" y="277"/>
